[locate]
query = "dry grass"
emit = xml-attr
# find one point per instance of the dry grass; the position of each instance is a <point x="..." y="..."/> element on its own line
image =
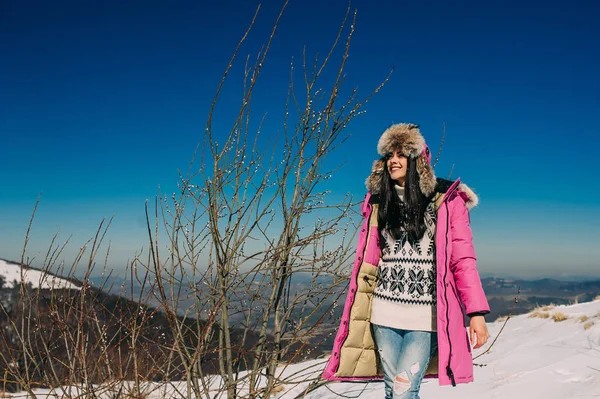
<point x="541" y="310"/>
<point x="501" y="319"/>
<point x="5" y="395"/>
<point x="597" y="298"/>
<point x="539" y="313"/>
<point x="277" y="389"/>
<point x="583" y="318"/>
<point x="588" y="325"/>
<point x="559" y="316"/>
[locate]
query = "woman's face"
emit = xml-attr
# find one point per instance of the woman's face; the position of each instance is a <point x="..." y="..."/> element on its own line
<point x="396" y="165"/>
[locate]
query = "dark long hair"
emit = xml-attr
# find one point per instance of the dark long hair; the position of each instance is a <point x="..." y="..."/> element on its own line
<point x="395" y="215"/>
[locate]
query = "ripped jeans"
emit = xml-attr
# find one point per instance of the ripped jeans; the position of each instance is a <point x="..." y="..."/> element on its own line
<point x="404" y="358"/>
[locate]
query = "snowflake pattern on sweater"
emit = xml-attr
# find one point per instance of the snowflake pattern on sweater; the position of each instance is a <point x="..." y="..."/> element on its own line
<point x="407" y="272"/>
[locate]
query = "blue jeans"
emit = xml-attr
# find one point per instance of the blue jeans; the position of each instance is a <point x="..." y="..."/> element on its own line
<point x="404" y="359"/>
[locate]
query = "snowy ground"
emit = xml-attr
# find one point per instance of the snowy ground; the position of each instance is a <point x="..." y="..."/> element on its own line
<point x="12" y="272"/>
<point x="534" y="357"/>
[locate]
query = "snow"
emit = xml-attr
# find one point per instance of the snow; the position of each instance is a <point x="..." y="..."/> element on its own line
<point x="37" y="278"/>
<point x="532" y="358"/>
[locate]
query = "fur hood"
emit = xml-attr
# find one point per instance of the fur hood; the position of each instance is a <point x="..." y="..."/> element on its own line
<point x="374" y="182"/>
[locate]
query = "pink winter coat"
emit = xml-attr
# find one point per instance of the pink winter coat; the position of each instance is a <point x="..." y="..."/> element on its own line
<point x="354" y="355"/>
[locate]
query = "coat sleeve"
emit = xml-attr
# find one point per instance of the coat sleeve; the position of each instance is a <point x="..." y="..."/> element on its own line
<point x="463" y="261"/>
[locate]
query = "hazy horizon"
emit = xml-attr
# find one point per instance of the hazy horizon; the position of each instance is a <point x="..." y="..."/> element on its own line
<point x="119" y="273"/>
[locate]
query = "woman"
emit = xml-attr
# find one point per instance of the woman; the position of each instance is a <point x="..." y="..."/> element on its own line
<point x="414" y="273"/>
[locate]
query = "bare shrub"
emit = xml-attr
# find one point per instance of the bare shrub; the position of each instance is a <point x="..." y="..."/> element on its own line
<point x="76" y="337"/>
<point x="247" y="262"/>
<point x="588" y="325"/>
<point x="583" y="319"/>
<point x="250" y="220"/>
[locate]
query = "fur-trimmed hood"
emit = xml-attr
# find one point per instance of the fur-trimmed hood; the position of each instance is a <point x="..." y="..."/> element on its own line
<point x="374" y="182"/>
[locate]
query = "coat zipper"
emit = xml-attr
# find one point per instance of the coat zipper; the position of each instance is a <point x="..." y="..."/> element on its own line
<point x="446" y="268"/>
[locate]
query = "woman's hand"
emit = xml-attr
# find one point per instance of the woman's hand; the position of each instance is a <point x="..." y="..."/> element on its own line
<point x="478" y="328"/>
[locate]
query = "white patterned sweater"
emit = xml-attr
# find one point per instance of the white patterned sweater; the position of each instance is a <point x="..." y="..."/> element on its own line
<point x="405" y="294"/>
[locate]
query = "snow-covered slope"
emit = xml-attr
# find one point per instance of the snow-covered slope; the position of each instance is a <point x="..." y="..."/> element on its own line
<point x="37" y="278"/>
<point x="534" y="357"/>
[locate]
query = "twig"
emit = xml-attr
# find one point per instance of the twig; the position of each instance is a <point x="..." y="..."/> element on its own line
<point x="437" y="157"/>
<point x="503" y="325"/>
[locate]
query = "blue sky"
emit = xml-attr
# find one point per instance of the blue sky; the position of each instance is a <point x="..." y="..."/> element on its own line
<point x="101" y="102"/>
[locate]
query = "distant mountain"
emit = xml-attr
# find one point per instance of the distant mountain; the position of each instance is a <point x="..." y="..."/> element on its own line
<point x="11" y="274"/>
<point x="501" y="294"/>
<point x="545" y="286"/>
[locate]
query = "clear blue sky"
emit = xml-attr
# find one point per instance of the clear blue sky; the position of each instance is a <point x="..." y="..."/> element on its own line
<point x="102" y="101"/>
